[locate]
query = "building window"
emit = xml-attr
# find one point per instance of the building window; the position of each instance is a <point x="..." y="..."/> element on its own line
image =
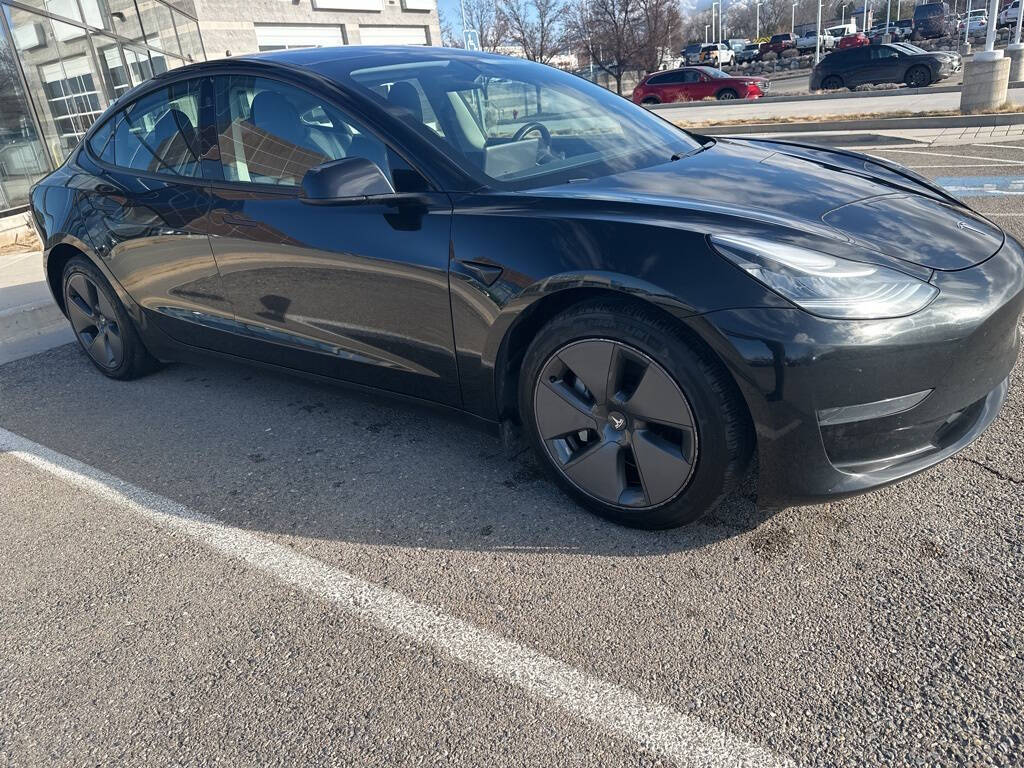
<point x="22" y="156"/>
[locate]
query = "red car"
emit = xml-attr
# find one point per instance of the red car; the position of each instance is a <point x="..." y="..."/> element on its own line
<point x="854" y="41"/>
<point x="694" y="84"/>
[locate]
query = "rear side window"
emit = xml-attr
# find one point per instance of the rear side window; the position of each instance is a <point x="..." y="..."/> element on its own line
<point x="156" y="134"/>
<point x="665" y="79"/>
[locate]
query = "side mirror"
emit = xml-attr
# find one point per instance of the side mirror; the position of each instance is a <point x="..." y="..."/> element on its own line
<point x="348" y="180"/>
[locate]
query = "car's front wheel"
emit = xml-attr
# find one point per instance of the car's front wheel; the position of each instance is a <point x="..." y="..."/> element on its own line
<point x="101" y="324"/>
<point x="919" y="77"/>
<point x="639" y="425"/>
<point x="651" y="100"/>
<point x="832" y="83"/>
<point x="727" y="94"/>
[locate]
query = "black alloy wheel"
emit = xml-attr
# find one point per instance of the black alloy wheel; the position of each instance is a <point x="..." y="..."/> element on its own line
<point x="101" y="324"/>
<point x="919" y="77"/>
<point x="651" y="100"/>
<point x="726" y="94"/>
<point x="629" y="418"/>
<point x="615" y="423"/>
<point x="832" y="83"/>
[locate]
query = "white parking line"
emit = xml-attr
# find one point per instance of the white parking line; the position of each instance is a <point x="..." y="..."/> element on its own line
<point x="681" y="738"/>
<point x="997" y="161"/>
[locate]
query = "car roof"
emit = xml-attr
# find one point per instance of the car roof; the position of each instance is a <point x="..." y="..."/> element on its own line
<point x="343" y="59"/>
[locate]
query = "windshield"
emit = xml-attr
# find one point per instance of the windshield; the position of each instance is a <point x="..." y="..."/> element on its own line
<point x="714" y="72"/>
<point x="522" y="124"/>
<point x="910" y="48"/>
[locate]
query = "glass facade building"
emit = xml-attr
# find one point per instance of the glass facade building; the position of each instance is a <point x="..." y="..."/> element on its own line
<point x="62" y="62"/>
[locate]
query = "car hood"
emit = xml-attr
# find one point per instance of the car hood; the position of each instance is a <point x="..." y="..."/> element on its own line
<point x="837" y="195"/>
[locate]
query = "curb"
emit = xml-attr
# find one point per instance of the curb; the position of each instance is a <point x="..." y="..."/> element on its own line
<point x="875" y="124"/>
<point x="816" y="97"/>
<point x="32" y="328"/>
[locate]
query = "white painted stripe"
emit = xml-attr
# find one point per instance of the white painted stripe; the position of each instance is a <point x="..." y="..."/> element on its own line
<point x="681" y="738"/>
<point x="963" y="157"/>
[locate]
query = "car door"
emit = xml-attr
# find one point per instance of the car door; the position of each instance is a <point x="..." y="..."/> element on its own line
<point x="689" y="88"/>
<point x="857" y="66"/>
<point x="146" y="203"/>
<point x="355" y="291"/>
<point x="886" y="64"/>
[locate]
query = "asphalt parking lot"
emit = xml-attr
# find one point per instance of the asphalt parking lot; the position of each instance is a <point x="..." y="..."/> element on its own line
<point x="217" y="565"/>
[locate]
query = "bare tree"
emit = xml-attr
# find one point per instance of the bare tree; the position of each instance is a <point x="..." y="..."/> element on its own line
<point x="448" y="37"/>
<point x="603" y="29"/>
<point x="657" y="33"/>
<point x="491" y="26"/>
<point x="536" y="27"/>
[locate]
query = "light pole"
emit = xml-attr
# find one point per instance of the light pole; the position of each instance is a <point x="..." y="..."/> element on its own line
<point x="817" y="41"/>
<point x="866" y="16"/>
<point x="706" y="28"/>
<point x="757" y="24"/>
<point x="714" y="29"/>
<point x="967" y="23"/>
<point x="898" y="3"/>
<point x="990" y="38"/>
<point x="792" y="19"/>
<point x="888" y="6"/>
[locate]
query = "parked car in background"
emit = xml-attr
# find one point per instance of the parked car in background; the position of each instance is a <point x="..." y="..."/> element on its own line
<point x="696" y="83"/>
<point x="810" y="42"/>
<point x="931" y="20"/>
<point x="973" y="24"/>
<point x="691" y="54"/>
<point x="889" y="63"/>
<point x="737" y="44"/>
<point x="716" y="55"/>
<point x="902" y="30"/>
<point x="749" y="53"/>
<point x="1008" y="16"/>
<point x="840" y="31"/>
<point x="856" y="40"/>
<point x="779" y="43"/>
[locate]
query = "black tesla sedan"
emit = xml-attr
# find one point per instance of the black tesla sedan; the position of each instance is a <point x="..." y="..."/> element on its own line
<point x="647" y="305"/>
<point x="886" y="63"/>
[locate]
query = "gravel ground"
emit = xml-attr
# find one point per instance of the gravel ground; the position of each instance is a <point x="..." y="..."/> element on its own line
<point x="884" y="630"/>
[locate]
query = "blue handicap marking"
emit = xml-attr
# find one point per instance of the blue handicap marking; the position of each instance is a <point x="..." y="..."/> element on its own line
<point x="981" y="186"/>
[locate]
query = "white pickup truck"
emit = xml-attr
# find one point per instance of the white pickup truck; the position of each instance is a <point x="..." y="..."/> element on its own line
<point x="806" y="43"/>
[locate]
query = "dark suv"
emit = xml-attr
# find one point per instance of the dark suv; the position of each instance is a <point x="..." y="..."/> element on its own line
<point x="892" y="63"/>
<point x="932" y="20"/>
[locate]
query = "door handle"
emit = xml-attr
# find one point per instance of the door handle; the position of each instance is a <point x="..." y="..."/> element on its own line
<point x="478" y="270"/>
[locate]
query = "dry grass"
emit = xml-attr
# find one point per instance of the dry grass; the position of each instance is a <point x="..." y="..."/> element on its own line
<point x="1007" y="107"/>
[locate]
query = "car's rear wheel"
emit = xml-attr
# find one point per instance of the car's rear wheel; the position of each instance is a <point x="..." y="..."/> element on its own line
<point x="635" y="423"/>
<point x="919" y="77"/>
<point x="102" y="326"/>
<point x="727" y="93"/>
<point x="832" y="83"/>
<point x="651" y="100"/>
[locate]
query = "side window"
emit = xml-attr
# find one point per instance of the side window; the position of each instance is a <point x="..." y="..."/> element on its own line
<point x="691" y="76"/>
<point x="158" y="133"/>
<point x="271" y="132"/>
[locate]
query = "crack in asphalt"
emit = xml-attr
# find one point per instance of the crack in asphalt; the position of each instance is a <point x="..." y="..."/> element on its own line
<point x="1001" y="475"/>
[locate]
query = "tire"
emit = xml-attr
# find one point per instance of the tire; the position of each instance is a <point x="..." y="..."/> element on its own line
<point x="832" y="83"/>
<point x="600" y="447"/>
<point x="651" y="100"/>
<point x="918" y="77"/>
<point x="727" y="94"/>
<point x="101" y="324"/>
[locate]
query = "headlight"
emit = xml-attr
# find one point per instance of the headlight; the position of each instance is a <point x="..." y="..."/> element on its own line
<point x="827" y="285"/>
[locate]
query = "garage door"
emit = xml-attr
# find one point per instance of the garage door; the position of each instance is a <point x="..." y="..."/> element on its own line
<point x="277" y="37"/>
<point x="370" y="35"/>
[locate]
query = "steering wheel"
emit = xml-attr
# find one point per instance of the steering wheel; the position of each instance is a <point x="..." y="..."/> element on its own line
<point x="545" y="134"/>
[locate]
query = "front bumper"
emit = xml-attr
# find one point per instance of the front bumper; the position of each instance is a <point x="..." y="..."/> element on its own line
<point x="790" y="365"/>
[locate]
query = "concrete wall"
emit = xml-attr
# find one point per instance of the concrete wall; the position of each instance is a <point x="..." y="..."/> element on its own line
<point x="230" y="25"/>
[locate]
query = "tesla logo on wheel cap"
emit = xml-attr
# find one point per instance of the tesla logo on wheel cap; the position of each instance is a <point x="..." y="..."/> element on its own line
<point x="618" y="421"/>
